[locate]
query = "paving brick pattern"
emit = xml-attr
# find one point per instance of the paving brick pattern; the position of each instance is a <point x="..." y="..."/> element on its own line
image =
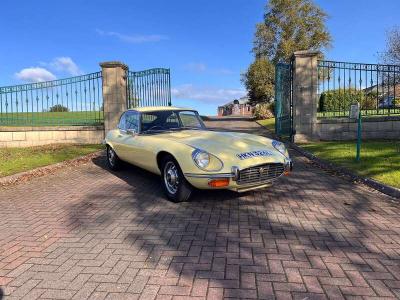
<point x="87" y="233"/>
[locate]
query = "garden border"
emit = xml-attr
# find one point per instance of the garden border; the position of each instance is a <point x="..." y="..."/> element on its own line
<point x="327" y="165"/>
<point x="381" y="187"/>
<point x="46" y="170"/>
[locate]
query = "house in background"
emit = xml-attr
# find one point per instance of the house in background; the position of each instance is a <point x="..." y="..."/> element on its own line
<point x="238" y="107"/>
<point x="387" y="94"/>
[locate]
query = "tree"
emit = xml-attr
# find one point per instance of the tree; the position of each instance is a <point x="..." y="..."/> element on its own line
<point x="289" y="26"/>
<point x="58" y="108"/>
<point x="259" y="81"/>
<point x="391" y="55"/>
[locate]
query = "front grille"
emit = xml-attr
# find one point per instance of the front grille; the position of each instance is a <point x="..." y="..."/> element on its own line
<point x="260" y="174"/>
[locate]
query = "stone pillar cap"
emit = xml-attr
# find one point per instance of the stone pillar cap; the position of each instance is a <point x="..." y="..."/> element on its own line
<point x="306" y="53"/>
<point x="113" y="64"/>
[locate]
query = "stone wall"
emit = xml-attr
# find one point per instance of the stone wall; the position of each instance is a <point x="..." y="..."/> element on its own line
<point x="346" y="129"/>
<point x="35" y="136"/>
<point x="307" y="127"/>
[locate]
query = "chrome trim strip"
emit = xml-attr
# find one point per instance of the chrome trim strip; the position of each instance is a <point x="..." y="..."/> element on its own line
<point x="235" y="173"/>
<point x="211" y="176"/>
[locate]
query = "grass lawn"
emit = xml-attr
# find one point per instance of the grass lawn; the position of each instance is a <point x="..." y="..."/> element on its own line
<point x="268" y="123"/>
<point x="380" y="160"/>
<point x="51" y="118"/>
<point x="15" y="160"/>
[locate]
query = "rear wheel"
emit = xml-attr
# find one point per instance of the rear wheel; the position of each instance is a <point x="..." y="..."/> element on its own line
<point x="175" y="185"/>
<point x="113" y="161"/>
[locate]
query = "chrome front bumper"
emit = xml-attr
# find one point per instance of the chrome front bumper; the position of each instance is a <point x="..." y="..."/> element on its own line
<point x="201" y="180"/>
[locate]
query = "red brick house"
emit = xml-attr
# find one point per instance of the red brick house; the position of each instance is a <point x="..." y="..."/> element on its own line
<point x="238" y="107"/>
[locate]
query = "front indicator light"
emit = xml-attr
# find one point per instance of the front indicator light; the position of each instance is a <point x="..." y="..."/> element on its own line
<point x="288" y="168"/>
<point x="218" y="182"/>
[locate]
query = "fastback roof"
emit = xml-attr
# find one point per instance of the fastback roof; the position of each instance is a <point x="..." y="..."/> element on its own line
<point x="157" y="108"/>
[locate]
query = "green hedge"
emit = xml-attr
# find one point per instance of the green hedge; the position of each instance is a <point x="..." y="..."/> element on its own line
<point x="340" y="100"/>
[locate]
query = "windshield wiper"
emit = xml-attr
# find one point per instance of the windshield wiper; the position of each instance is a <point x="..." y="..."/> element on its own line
<point x="191" y="128"/>
<point x="162" y="130"/>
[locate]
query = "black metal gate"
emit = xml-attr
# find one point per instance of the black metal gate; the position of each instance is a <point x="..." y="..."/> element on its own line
<point x="149" y="88"/>
<point x="283" y="100"/>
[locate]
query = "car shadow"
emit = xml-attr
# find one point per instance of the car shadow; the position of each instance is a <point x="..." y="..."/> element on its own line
<point x="310" y="220"/>
<point x="132" y="175"/>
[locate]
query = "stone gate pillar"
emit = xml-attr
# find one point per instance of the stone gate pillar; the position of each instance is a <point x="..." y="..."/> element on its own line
<point x="305" y="95"/>
<point x="114" y="92"/>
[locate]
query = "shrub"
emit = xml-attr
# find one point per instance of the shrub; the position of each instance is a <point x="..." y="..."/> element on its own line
<point x="369" y="101"/>
<point x="58" y="108"/>
<point x="340" y="100"/>
<point x="264" y="110"/>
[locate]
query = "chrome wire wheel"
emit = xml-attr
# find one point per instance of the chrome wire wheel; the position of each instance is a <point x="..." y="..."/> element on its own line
<point x="171" y="177"/>
<point x="111" y="156"/>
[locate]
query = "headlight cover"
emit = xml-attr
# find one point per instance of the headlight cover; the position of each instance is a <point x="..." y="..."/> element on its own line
<point x="201" y="158"/>
<point x="206" y="161"/>
<point x="280" y="147"/>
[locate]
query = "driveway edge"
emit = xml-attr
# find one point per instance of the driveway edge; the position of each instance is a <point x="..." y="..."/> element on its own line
<point x="45" y="170"/>
<point x="327" y="165"/>
<point x="381" y="187"/>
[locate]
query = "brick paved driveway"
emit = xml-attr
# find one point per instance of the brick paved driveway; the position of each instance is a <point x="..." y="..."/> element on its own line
<point x="88" y="233"/>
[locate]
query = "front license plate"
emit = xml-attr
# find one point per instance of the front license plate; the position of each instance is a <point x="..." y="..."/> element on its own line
<point x="251" y="154"/>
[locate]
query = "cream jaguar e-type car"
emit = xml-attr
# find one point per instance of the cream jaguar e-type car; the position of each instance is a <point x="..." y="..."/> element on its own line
<point x="174" y="143"/>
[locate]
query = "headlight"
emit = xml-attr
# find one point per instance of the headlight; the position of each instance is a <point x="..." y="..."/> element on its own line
<point x="206" y="161"/>
<point x="201" y="158"/>
<point x="279" y="146"/>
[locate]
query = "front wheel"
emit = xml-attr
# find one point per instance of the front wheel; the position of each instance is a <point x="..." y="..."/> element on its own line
<point x="113" y="161"/>
<point x="175" y="185"/>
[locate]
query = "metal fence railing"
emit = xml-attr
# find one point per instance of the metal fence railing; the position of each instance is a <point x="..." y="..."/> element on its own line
<point x="149" y="88"/>
<point x="71" y="101"/>
<point x="375" y="87"/>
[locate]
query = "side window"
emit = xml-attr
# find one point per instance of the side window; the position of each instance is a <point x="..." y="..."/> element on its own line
<point x="132" y="121"/>
<point x="121" y="124"/>
<point x="172" y="121"/>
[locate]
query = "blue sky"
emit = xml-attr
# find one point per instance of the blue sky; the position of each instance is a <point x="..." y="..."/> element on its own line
<point x="206" y="43"/>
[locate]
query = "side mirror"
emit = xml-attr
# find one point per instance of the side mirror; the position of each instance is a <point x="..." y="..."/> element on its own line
<point x="131" y="132"/>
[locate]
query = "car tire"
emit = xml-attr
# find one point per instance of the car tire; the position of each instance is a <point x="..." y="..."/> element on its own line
<point x="113" y="161"/>
<point x="174" y="182"/>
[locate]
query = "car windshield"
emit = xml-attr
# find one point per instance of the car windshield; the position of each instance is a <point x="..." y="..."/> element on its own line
<point x="169" y="120"/>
